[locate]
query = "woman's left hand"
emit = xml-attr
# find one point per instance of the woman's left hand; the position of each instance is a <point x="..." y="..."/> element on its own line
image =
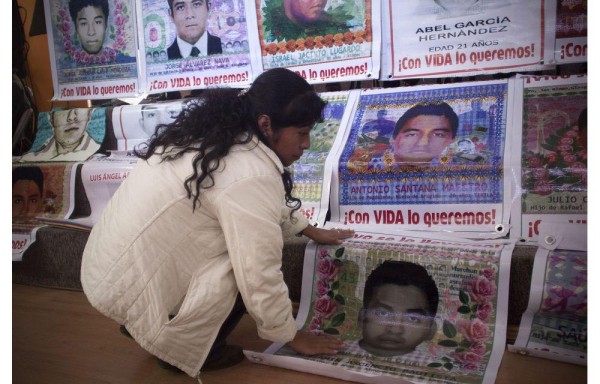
<point x="333" y="236"/>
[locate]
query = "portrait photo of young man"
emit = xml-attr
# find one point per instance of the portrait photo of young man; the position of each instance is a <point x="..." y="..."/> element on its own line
<point x="193" y="39"/>
<point x="399" y="307"/>
<point x="423" y="132"/>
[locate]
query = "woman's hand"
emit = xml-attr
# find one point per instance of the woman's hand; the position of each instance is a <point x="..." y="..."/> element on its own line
<point x="311" y="343"/>
<point x="332" y="236"/>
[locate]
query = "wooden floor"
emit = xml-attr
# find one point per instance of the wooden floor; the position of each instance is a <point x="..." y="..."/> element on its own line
<point x="58" y="338"/>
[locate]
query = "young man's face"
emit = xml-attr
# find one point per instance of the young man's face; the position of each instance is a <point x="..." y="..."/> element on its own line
<point x="305" y="11"/>
<point x="422" y="139"/>
<point x="26" y="199"/>
<point x="91" y="27"/>
<point x="69" y="126"/>
<point x="190" y="19"/>
<point x="396" y="320"/>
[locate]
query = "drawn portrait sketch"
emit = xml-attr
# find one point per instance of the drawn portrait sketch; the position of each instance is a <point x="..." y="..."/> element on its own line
<point x="72" y="134"/>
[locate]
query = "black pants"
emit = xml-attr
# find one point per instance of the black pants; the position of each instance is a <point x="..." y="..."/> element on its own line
<point x="220" y="345"/>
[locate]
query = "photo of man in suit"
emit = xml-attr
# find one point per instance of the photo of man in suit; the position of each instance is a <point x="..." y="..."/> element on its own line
<point x="190" y="18"/>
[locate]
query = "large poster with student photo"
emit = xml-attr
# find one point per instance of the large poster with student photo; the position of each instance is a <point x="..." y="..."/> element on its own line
<point x="39" y="190"/>
<point x="409" y="309"/>
<point x="427" y="158"/>
<point x="192" y="44"/>
<point x="324" y="41"/>
<point x="461" y="38"/>
<point x="551" y="171"/>
<point x="93" y="48"/>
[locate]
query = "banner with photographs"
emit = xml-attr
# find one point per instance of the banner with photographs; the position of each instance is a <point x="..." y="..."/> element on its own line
<point x="566" y="31"/>
<point x="39" y="190"/>
<point x="460" y="38"/>
<point x="312" y="172"/>
<point x="552" y="168"/>
<point x="326" y="42"/>
<point x="93" y="48"/>
<point x="72" y="134"/>
<point x="409" y="308"/>
<point x="135" y="124"/>
<point x="427" y="158"/>
<point x="179" y="55"/>
<point x="554" y="325"/>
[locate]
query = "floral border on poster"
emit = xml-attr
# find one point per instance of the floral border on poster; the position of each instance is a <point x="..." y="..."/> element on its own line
<point x="116" y="32"/>
<point x="466" y="331"/>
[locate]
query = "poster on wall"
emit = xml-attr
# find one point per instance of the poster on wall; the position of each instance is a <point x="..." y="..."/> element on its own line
<point x="193" y="44"/>
<point x="566" y="31"/>
<point x="39" y="190"/>
<point x="409" y="309"/>
<point x="554" y="325"/>
<point x="552" y="168"/>
<point x="461" y="38"/>
<point x="312" y="172"/>
<point x="135" y="124"/>
<point x="93" y="49"/>
<point x="427" y="158"/>
<point x="329" y="41"/>
<point x="72" y="134"/>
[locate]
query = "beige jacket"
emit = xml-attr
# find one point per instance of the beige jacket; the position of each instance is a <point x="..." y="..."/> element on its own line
<point x="149" y="250"/>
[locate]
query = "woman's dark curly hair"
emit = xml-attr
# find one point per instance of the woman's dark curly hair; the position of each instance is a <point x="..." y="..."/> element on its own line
<point x="221" y="118"/>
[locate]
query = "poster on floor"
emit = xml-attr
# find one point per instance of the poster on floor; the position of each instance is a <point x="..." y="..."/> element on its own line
<point x="566" y="31"/>
<point x="324" y="42"/>
<point x="93" y="49"/>
<point x="194" y="44"/>
<point x="72" y="134"/>
<point x="312" y="172"/>
<point x="409" y="308"/>
<point x="460" y="38"/>
<point x="552" y="167"/>
<point x="39" y="190"/>
<point x="554" y="325"/>
<point x="134" y="124"/>
<point x="427" y="158"/>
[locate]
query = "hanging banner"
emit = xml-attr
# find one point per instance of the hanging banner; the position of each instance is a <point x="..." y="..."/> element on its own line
<point x="427" y="158"/>
<point x="554" y="325"/>
<point x="552" y="167"/>
<point x="461" y="38"/>
<point x="72" y="134"/>
<point x="312" y="172"/>
<point x="93" y="49"/>
<point x="329" y="42"/>
<point x="195" y="44"/>
<point x="409" y="308"/>
<point x="39" y="190"/>
<point x="566" y="31"/>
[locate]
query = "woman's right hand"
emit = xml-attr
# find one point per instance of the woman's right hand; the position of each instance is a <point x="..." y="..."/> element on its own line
<point x="311" y="343"/>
